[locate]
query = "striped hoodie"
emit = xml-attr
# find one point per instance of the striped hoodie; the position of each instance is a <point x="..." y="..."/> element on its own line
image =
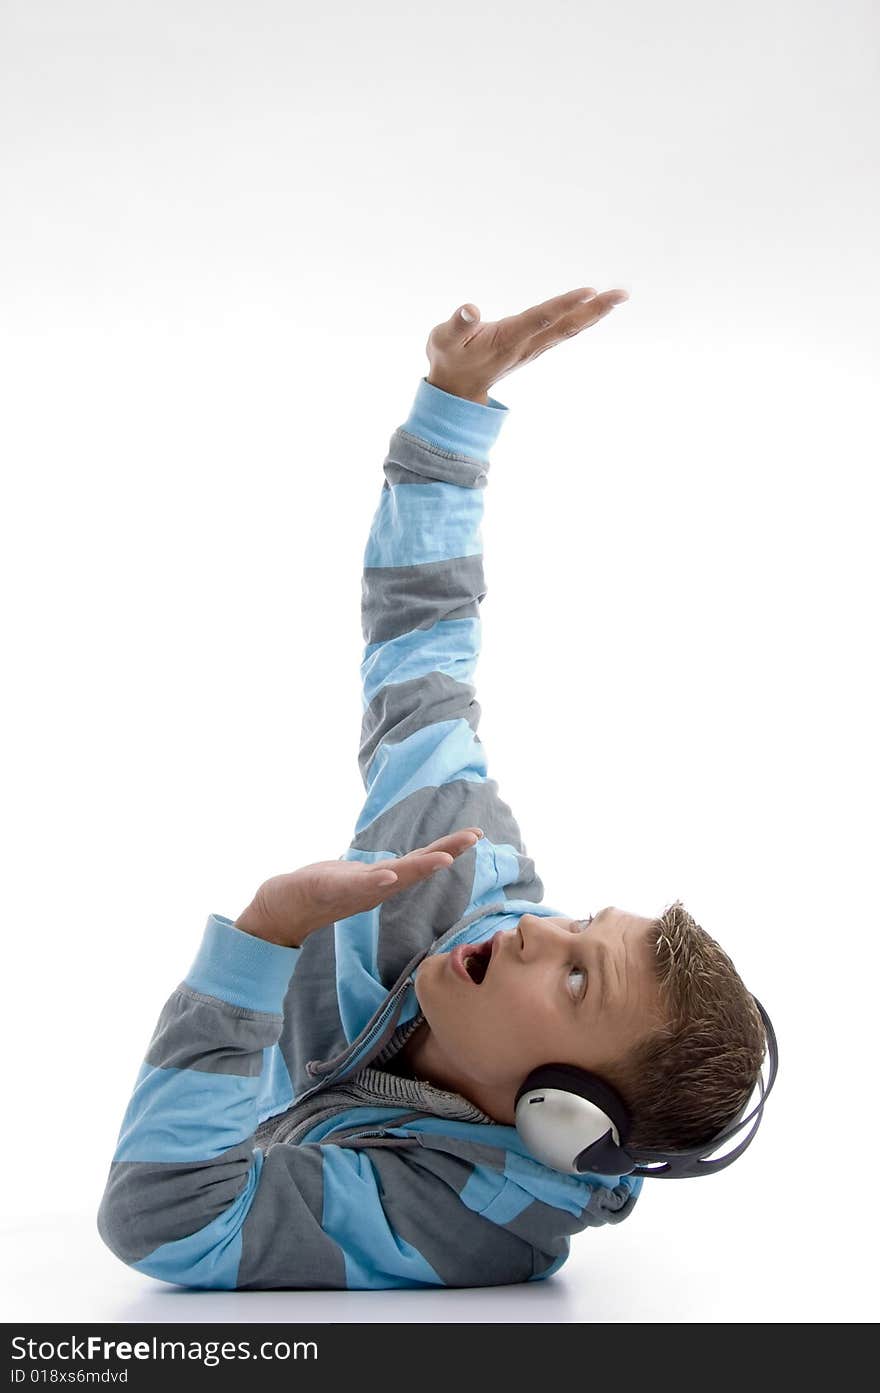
<point x="267" y="1143"/>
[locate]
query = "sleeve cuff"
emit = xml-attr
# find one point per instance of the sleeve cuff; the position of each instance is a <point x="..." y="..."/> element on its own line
<point x="239" y="968"/>
<point x="454" y="423"/>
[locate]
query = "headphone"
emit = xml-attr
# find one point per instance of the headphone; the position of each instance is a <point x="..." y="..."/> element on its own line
<point x="574" y="1121"/>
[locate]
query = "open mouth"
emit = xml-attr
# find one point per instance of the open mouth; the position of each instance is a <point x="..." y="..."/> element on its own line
<point x="476" y="961"/>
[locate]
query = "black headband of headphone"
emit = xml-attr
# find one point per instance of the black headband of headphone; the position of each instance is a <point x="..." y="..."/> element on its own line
<point x="696" y="1160"/>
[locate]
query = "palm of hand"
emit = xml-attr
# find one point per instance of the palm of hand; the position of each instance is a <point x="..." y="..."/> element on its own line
<point x="287" y="908"/>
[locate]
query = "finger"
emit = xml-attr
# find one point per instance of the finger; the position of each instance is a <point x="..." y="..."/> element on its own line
<point x="460" y="324"/>
<point x="581" y="316"/>
<point x="466" y="835"/>
<point x="454" y="842"/>
<point x="385" y="882"/>
<point x="424" y="861"/>
<point x="430" y="862"/>
<point x="412" y="869"/>
<point x="543" y="316"/>
<point x="417" y="867"/>
<point x="567" y="314"/>
<point x="386" y="878"/>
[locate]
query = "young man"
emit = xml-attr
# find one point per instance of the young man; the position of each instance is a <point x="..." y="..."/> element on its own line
<point x="328" y="1099"/>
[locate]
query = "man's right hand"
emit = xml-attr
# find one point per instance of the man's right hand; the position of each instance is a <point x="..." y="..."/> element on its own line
<point x="288" y="908"/>
<point x="467" y="357"/>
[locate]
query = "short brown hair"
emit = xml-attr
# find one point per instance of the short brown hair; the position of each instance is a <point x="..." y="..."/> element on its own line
<point x="692" y="1077"/>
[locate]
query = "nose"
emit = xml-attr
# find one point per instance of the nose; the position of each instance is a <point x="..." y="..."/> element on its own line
<point x="540" y="936"/>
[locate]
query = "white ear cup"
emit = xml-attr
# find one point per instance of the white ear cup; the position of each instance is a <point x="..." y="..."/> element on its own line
<point x="557" y="1125"/>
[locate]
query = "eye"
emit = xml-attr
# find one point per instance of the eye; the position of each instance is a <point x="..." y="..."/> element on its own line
<point x="580" y="979"/>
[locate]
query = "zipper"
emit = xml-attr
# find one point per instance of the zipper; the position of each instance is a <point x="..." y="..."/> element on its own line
<point x="375" y="1027"/>
<point x="376" y="1130"/>
<point x="381" y="1139"/>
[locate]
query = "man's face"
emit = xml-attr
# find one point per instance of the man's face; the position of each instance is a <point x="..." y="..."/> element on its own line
<point x="557" y="990"/>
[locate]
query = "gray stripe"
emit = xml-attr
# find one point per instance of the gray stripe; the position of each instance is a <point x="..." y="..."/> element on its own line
<point x="414" y="918"/>
<point x="400" y="709"/>
<point x="464" y="1249"/>
<point x="190" y="1026"/>
<point x="546" y="1227"/>
<point x="613" y="1205"/>
<point x="283" y="1243"/>
<point x="529" y="886"/>
<point x="148" y="1203"/>
<point x="492" y="1157"/>
<point x="410" y="455"/>
<point x="431" y="812"/>
<point x="545" y="1260"/>
<point x="312" y="1026"/>
<point x="398" y="599"/>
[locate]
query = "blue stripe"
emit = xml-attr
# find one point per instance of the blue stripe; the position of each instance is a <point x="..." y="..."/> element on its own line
<point x="410" y="1008"/>
<point x="435" y="755"/>
<point x="510" y="1203"/>
<point x="210" y="1257"/>
<point x="492" y="1195"/>
<point x="417" y="523"/>
<point x="486" y="882"/>
<point x="508" y="869"/>
<point x="571" y="1192"/>
<point x="451" y="646"/>
<point x="482" y="1188"/>
<point x="427" y="757"/>
<point x="358" y="1115"/>
<point x="454" y="423"/>
<point x="497" y="1135"/>
<point x="239" y="968"/>
<point x="359" y="991"/>
<point x="375" y="1256"/>
<point x="186" y="1115"/>
<point x="276" y="1089"/>
<point x="633" y="1183"/>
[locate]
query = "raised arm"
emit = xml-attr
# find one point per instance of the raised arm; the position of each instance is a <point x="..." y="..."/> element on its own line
<point x="421" y="758"/>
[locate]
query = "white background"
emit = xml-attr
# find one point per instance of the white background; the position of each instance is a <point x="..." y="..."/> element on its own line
<point x="228" y="229"/>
